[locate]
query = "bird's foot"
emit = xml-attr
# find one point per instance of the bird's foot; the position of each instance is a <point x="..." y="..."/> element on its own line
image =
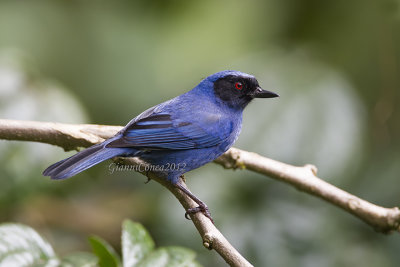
<point x="201" y="208"/>
<point x="183" y="178"/>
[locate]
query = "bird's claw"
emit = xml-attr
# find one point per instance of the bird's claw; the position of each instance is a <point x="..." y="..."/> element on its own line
<point x="200" y="208"/>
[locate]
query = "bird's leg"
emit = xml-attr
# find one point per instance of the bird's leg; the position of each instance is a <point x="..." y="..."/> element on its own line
<point x="201" y="208"/>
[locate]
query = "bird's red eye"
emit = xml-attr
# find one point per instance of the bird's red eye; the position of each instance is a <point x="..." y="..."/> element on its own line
<point x="239" y="85"/>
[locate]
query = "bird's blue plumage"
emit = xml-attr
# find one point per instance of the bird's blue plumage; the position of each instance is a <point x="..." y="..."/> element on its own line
<point x="187" y="131"/>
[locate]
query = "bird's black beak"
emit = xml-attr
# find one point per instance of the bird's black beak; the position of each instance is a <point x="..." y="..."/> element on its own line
<point x="261" y="93"/>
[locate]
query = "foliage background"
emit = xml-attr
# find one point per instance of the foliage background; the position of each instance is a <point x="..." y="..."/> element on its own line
<point x="334" y="63"/>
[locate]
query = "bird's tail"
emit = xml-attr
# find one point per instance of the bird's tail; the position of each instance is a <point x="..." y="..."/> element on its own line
<point x="82" y="161"/>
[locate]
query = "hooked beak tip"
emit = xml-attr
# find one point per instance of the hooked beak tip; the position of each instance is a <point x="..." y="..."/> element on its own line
<point x="261" y="93"/>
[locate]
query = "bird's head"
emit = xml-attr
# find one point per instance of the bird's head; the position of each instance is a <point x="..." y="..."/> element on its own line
<point x="236" y="88"/>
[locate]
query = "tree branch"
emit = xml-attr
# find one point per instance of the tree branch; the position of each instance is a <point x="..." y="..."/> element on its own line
<point x="304" y="178"/>
<point x="70" y="137"/>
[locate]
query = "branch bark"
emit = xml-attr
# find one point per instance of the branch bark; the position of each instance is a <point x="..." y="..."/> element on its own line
<point x="69" y="136"/>
<point x="305" y="179"/>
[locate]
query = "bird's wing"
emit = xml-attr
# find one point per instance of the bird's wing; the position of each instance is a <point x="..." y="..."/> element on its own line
<point x="159" y="131"/>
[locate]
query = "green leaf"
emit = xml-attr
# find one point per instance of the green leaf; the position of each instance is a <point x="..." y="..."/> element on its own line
<point x="79" y="259"/>
<point x="138" y="250"/>
<point x="179" y="256"/>
<point x="20" y="245"/>
<point x="106" y="254"/>
<point x="158" y="258"/>
<point x="136" y="243"/>
<point x="170" y="257"/>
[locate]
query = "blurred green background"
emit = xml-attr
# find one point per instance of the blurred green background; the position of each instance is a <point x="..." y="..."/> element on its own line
<point x="334" y="63"/>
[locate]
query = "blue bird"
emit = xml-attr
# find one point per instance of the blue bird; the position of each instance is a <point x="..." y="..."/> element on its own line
<point x="187" y="131"/>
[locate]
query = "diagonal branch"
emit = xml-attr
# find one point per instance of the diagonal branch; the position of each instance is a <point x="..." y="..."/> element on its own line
<point x="212" y="237"/>
<point x="69" y="136"/>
